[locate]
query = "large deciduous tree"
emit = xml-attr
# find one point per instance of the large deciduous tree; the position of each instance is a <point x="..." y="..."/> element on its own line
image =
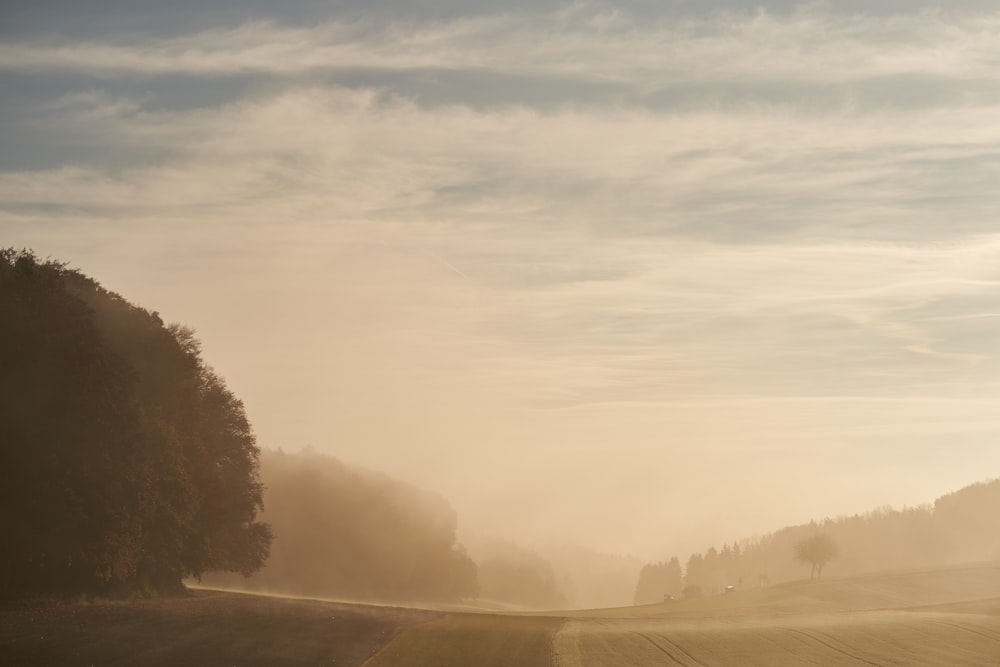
<point x="124" y="460"/>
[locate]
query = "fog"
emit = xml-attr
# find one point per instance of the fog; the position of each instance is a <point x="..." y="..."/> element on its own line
<point x="354" y="534"/>
<point x="603" y="279"/>
<point x="347" y="533"/>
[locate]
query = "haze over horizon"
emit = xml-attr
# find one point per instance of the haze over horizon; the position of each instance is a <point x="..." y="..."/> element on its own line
<point x="646" y="279"/>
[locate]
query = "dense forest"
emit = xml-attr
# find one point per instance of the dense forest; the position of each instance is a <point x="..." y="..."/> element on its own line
<point x="125" y="462"/>
<point x="345" y="532"/>
<point x="959" y="527"/>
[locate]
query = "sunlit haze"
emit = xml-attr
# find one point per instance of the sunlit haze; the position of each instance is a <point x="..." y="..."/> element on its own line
<point x="639" y="279"/>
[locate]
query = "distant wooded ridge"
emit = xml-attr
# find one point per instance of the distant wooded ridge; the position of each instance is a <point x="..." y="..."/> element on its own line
<point x="959" y="527"/>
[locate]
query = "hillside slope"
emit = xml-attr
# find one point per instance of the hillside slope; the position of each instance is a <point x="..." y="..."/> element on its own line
<point x="890" y="590"/>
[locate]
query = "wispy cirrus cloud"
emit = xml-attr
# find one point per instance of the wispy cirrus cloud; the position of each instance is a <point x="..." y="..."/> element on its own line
<point x="738" y="174"/>
<point x="739" y="230"/>
<point x="809" y="46"/>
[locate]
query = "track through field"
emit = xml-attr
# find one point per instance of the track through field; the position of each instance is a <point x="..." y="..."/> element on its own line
<point x="873" y="638"/>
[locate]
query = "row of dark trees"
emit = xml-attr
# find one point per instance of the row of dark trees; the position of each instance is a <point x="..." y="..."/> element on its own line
<point x="959" y="527"/>
<point x="125" y="462"/>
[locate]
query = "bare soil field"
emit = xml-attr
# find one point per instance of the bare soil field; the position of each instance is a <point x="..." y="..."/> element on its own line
<point x="204" y="628"/>
<point x="946" y="617"/>
<point x="940" y="617"/>
<point x="943" y="616"/>
<point x="852" y="638"/>
<point x="483" y="640"/>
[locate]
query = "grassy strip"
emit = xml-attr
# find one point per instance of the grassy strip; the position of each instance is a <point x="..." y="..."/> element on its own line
<point x="484" y="640"/>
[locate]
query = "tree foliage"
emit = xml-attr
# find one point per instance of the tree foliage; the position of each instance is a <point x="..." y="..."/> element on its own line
<point x="124" y="460"/>
<point x="817" y="551"/>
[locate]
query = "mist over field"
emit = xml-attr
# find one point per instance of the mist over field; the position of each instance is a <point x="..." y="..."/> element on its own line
<point x="521" y="299"/>
<point x="129" y="466"/>
<point x="556" y="333"/>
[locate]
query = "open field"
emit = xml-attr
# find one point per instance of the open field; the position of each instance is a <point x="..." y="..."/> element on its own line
<point x="929" y="617"/>
<point x="854" y="638"/>
<point x="474" y="639"/>
<point x="205" y="628"/>
<point x="932" y="617"/>
<point x="890" y="590"/>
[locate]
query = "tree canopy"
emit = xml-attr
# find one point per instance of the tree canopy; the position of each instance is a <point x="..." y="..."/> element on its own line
<point x="125" y="461"/>
<point x="817" y="551"/>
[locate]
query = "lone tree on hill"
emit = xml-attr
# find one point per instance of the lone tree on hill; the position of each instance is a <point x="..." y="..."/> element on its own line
<point x="817" y="550"/>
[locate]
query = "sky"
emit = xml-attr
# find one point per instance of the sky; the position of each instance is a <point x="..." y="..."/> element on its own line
<point x="642" y="276"/>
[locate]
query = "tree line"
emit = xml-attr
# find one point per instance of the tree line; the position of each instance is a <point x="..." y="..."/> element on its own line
<point x="349" y="533"/>
<point x="958" y="527"/>
<point x="345" y="532"/>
